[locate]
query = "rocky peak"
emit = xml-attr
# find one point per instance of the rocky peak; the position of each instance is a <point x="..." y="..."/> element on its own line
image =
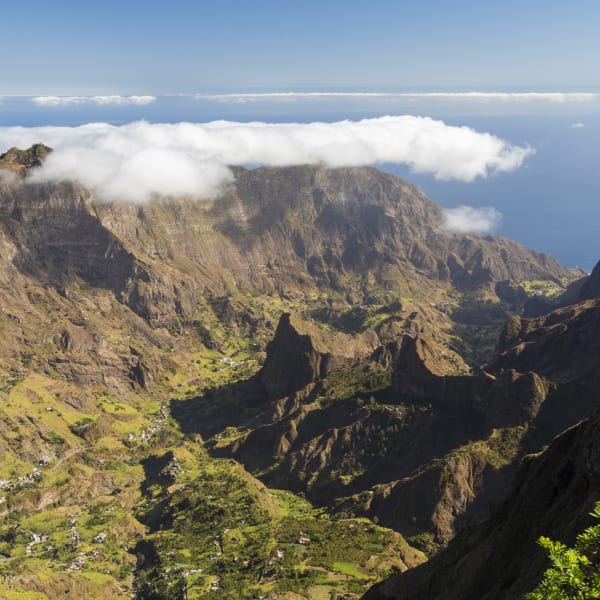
<point x="20" y="161"/>
<point x="300" y="354"/>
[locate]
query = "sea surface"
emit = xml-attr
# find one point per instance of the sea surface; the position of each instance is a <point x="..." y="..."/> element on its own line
<point x="551" y="204"/>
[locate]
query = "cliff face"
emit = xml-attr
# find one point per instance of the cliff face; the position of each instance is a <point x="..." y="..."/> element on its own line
<point x="344" y="236"/>
<point x="553" y="495"/>
<point x="58" y="236"/>
<point x="275" y="229"/>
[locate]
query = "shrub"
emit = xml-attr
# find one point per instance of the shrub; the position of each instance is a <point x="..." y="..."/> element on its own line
<point x="575" y="572"/>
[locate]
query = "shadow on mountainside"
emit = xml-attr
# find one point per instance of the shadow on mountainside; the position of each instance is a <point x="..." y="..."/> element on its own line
<point x="234" y="405"/>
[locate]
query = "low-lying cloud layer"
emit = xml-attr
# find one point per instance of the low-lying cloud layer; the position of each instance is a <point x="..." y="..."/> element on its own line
<point x="467" y="219"/>
<point x="560" y="97"/>
<point x="53" y="101"/>
<point x="135" y="161"/>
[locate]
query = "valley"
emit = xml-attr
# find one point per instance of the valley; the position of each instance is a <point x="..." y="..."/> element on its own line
<point x="293" y="390"/>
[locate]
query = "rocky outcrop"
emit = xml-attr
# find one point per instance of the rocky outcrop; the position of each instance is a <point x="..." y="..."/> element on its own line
<point x="20" y="161"/>
<point x="433" y="452"/>
<point x="552" y="493"/>
<point x="300" y="355"/>
<point x="417" y="435"/>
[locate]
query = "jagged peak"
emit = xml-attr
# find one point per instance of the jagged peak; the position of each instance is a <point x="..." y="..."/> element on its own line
<point x="301" y="353"/>
<point x="20" y="161"/>
<point x="323" y="341"/>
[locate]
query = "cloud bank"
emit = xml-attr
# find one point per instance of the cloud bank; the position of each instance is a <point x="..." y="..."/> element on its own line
<point x="53" y="101"/>
<point x="466" y="219"/>
<point x="556" y="97"/>
<point x="135" y="161"/>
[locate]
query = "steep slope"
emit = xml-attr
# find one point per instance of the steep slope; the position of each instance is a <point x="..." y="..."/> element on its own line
<point x="282" y="228"/>
<point x="122" y="326"/>
<point x="390" y="433"/>
<point x="308" y="226"/>
<point x="383" y="434"/>
<point x="553" y="495"/>
<point x="591" y="286"/>
<point x="563" y="345"/>
<point x="584" y="288"/>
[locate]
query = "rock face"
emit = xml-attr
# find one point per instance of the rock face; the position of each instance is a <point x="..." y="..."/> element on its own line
<point x="591" y="285"/>
<point x="300" y="355"/>
<point x="553" y="494"/>
<point x="285" y="229"/>
<point x="58" y="235"/>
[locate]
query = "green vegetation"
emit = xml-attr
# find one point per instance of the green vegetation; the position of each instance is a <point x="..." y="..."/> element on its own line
<point x="214" y="527"/>
<point x="537" y="287"/>
<point x="345" y="382"/>
<point x="575" y="572"/>
<point x="108" y="492"/>
<point x="504" y="444"/>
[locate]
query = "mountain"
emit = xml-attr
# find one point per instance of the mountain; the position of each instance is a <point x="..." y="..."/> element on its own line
<point x="326" y="240"/>
<point x="553" y="495"/>
<point x="189" y="388"/>
<point x="553" y="491"/>
<point x="386" y="433"/>
<point x="21" y="161"/>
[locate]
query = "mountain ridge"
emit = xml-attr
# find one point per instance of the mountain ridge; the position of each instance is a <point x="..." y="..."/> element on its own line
<point x="553" y="491"/>
<point x="315" y="325"/>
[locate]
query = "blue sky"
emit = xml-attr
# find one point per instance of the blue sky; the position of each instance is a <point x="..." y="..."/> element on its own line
<point x="151" y="47"/>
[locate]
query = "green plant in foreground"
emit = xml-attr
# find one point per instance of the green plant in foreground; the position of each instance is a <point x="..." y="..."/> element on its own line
<point x="575" y="572"/>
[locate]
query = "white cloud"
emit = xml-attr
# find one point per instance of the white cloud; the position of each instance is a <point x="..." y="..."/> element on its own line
<point x="134" y="161"/>
<point x="577" y="125"/>
<point x="53" y="101"/>
<point x="557" y="97"/>
<point x="467" y="219"/>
